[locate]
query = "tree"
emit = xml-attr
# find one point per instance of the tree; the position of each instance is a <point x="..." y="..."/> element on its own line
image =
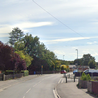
<point x="25" y="57"/>
<point x="78" y="61"/>
<point x="86" y="58"/>
<point x="31" y="45"/>
<point x="57" y="64"/>
<point x="15" y="35"/>
<point x="92" y="64"/>
<point x="10" y="60"/>
<point x="5" y="55"/>
<point x="63" y="67"/>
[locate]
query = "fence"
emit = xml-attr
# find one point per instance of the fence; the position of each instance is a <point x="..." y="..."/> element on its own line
<point x="11" y="76"/>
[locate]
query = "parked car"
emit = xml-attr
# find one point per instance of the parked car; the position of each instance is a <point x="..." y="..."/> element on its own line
<point x="63" y="72"/>
<point x="75" y="71"/>
<point x="90" y="71"/>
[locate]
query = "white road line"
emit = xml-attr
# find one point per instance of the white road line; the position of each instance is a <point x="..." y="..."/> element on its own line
<point x="37" y="83"/>
<point x="62" y="81"/>
<point x="23" y="96"/>
<point x="54" y="94"/>
<point x="4" y="88"/>
<point x="28" y="90"/>
<point x="59" y="81"/>
<point x="1" y="90"/>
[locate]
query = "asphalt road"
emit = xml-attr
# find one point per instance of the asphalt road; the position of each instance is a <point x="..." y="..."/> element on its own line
<point x="40" y="87"/>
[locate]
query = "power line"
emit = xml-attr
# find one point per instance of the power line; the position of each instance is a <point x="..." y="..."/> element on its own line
<point x="59" y="20"/>
<point x="56" y="18"/>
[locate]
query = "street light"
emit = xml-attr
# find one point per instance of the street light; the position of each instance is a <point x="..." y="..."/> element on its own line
<point x="77" y="57"/>
<point x="63" y="59"/>
<point x="77" y="53"/>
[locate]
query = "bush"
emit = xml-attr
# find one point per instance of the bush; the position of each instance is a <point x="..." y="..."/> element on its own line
<point x="26" y="72"/>
<point x="85" y="77"/>
<point x="88" y="77"/>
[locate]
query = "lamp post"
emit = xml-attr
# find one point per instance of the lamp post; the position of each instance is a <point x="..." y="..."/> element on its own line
<point x="63" y="57"/>
<point x="77" y="57"/>
<point x="77" y="53"/>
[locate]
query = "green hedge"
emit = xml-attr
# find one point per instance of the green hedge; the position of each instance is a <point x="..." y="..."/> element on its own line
<point x="26" y="72"/>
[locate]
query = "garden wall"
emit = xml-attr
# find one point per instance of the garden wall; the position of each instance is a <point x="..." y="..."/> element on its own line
<point x="89" y="86"/>
<point x="95" y="87"/>
<point x="12" y="76"/>
<point x="82" y="84"/>
<point x="1" y="77"/>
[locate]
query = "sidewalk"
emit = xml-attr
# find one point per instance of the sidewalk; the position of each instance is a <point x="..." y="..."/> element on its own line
<point x="70" y="90"/>
<point x="8" y="83"/>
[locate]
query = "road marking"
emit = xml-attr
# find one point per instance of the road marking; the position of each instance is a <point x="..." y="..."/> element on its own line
<point x="23" y="96"/>
<point x="56" y="94"/>
<point x="28" y="90"/>
<point x="59" y="80"/>
<point x="4" y="88"/>
<point x="62" y="81"/>
<point x="38" y="83"/>
<point x="1" y="90"/>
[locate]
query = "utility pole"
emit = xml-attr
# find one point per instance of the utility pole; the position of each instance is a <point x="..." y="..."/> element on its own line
<point x="77" y="57"/>
<point x="63" y="59"/>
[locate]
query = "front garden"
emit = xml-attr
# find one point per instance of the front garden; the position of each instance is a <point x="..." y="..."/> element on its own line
<point x="89" y="83"/>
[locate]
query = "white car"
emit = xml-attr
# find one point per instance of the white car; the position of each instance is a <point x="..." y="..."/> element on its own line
<point x="90" y="71"/>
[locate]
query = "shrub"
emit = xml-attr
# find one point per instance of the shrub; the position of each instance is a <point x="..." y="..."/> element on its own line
<point x="88" y="77"/>
<point x="26" y="72"/>
<point x="85" y="77"/>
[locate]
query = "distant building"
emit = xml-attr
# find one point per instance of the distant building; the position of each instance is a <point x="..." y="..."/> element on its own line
<point x="82" y="68"/>
<point x="72" y="67"/>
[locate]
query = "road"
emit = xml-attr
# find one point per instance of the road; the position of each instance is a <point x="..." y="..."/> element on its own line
<point x="40" y="87"/>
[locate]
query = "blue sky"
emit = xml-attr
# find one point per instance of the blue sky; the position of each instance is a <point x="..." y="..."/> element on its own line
<point x="62" y="25"/>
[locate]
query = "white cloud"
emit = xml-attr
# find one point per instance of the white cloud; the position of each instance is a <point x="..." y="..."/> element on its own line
<point x="70" y="39"/>
<point x="5" y="29"/>
<point x="90" y="43"/>
<point x="8" y="28"/>
<point x="4" y="35"/>
<point x="67" y="39"/>
<point x="32" y="24"/>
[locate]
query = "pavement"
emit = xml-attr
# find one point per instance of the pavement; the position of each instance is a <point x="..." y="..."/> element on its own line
<point x="70" y="90"/>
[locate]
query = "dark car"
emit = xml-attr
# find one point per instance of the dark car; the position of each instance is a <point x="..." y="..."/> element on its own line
<point x="90" y="71"/>
<point x="63" y="72"/>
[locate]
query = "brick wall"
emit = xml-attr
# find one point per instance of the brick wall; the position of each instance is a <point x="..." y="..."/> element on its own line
<point x="95" y="87"/>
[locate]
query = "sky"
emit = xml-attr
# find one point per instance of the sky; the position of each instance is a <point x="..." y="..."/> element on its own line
<point x="62" y="25"/>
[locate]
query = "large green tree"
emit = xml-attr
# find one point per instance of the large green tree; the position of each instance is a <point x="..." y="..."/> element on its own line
<point x="87" y="58"/>
<point x="15" y="35"/>
<point x="92" y="64"/>
<point x="31" y="45"/>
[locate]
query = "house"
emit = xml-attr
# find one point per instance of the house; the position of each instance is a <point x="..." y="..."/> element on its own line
<point x="72" y="67"/>
<point x="82" y="68"/>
